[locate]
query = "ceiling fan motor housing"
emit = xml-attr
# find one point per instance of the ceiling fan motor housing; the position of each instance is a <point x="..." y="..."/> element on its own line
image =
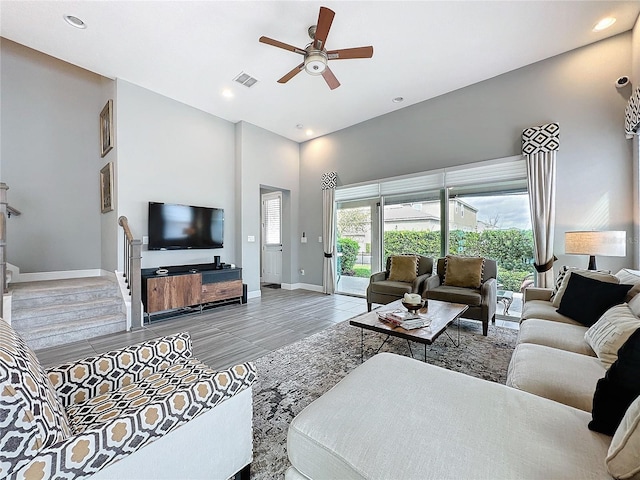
<point x="315" y="62"/>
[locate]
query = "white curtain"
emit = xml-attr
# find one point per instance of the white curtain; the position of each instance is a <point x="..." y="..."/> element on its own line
<point x="539" y="145"/>
<point x="329" y="232"/>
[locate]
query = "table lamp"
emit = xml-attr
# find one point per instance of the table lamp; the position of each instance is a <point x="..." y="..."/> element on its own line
<point x="606" y="244"/>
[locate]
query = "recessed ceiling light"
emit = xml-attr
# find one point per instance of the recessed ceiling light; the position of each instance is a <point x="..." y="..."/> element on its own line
<point x="226" y="93"/>
<point x="74" y="21"/>
<point x="309" y="132"/>
<point x="397" y="100"/>
<point x="604" y="23"/>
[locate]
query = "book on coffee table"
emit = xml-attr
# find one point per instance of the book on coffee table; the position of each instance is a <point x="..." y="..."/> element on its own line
<point x="406" y="320"/>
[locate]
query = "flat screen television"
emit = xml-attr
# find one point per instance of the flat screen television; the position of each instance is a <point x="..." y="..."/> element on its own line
<point x="181" y="227"/>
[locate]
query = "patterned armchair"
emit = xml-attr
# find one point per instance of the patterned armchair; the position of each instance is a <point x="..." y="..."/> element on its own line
<point x="146" y="410"/>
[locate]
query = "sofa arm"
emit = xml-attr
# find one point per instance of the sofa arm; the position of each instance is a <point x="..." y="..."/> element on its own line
<point x="78" y="381"/>
<point x="432" y="282"/>
<point x="489" y="294"/>
<point x="105" y="443"/>
<point x="536" y="293"/>
<point x="378" y="277"/>
<point x="418" y="283"/>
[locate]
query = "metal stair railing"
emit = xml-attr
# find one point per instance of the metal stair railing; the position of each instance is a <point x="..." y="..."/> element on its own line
<point x="132" y="272"/>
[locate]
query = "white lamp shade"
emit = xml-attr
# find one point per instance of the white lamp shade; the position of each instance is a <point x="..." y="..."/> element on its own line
<point x="606" y="244"/>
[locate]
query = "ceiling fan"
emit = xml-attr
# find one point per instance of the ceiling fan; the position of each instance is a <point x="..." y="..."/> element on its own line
<point x="316" y="55"/>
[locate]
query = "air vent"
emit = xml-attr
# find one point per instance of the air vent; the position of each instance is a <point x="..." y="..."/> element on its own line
<point x="246" y="80"/>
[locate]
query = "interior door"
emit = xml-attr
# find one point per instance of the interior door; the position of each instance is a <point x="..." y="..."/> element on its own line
<point x="272" y="237"/>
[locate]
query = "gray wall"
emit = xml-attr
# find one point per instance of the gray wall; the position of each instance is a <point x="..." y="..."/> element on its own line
<point x="50" y="158"/>
<point x="170" y="152"/>
<point x="485" y="121"/>
<point x="264" y="159"/>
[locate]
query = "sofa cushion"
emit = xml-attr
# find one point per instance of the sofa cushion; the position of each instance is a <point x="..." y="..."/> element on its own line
<point x="565" y="377"/>
<point x="555" y="335"/>
<point x="544" y="310"/>
<point x="611" y="331"/>
<point x="594" y="274"/>
<point x="623" y="459"/>
<point x="404" y="268"/>
<point x="586" y="299"/>
<point x="618" y="389"/>
<point x="387" y="287"/>
<point x="631" y="277"/>
<point x="634" y="305"/>
<point x="31" y="415"/>
<point x="444" y="293"/>
<point x="463" y="272"/>
<point x="438" y="429"/>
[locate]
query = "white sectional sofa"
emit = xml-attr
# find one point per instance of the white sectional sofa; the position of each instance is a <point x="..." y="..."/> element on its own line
<point x="395" y="417"/>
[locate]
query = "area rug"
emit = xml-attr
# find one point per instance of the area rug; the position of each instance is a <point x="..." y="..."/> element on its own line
<point x="292" y="377"/>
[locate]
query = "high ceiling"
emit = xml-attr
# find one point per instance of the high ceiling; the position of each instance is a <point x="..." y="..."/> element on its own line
<point x="192" y="50"/>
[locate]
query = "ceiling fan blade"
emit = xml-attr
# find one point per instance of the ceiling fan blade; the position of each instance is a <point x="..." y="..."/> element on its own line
<point x="292" y="73"/>
<point x="330" y="78"/>
<point x="345" y="53"/>
<point x="285" y="46"/>
<point x="325" y="18"/>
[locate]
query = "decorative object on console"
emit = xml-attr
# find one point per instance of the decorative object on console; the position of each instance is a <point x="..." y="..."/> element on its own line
<point x="606" y="244"/>
<point x="106" y="188"/>
<point x="586" y="299"/>
<point x="106" y="129"/>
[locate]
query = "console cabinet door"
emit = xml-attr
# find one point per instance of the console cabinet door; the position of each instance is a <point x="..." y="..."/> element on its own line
<point x="213" y="292"/>
<point x="175" y="291"/>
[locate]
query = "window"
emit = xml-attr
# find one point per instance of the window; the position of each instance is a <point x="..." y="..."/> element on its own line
<point x="272" y="215"/>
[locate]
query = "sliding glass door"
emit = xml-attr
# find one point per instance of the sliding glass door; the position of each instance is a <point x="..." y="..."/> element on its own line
<point x="357" y="244"/>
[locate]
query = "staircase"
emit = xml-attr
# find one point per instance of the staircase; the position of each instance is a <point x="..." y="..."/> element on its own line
<point x="56" y="312"/>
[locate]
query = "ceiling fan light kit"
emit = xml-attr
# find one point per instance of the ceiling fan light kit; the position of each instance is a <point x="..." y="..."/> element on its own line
<point x="315" y="62"/>
<point x="316" y="55"/>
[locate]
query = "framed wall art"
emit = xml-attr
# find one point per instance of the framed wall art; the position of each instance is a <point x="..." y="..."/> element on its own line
<point x="106" y="128"/>
<point x="106" y="188"/>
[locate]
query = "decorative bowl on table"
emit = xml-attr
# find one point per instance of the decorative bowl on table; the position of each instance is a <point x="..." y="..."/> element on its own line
<point x="413" y="307"/>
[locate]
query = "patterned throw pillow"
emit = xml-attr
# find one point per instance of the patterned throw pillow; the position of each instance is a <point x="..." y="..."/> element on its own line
<point x="463" y="272"/>
<point x="404" y="268"/>
<point x="31" y="413"/>
<point x="611" y="331"/>
<point x="556" y="286"/>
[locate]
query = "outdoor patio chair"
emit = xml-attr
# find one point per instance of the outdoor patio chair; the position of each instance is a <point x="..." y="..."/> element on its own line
<point x="403" y="274"/>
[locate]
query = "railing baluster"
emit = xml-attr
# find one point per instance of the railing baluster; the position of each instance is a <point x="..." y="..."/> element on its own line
<point x="131" y="271"/>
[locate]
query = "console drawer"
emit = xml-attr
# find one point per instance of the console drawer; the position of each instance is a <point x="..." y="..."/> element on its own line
<point x="212" y="292"/>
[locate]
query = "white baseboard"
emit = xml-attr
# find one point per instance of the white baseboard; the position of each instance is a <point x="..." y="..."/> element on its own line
<point x="61" y="275"/>
<point x="302" y="286"/>
<point x="254" y="294"/>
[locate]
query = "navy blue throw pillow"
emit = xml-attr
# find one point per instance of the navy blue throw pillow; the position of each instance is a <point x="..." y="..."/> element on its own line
<point x="618" y="389"/>
<point x="586" y="299"/>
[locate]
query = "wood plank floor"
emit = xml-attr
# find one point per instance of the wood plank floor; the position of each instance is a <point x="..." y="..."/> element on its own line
<point x="230" y="334"/>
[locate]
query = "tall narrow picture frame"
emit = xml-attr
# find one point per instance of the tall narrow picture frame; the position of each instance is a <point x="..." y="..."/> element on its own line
<point x="106" y="128"/>
<point x="106" y="188"/>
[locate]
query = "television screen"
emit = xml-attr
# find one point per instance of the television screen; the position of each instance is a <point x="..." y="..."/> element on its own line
<point x="177" y="227"/>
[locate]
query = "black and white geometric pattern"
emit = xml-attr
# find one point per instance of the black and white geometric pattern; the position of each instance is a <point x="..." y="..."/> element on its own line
<point x="329" y="180"/>
<point x="632" y="115"/>
<point x="544" y="138"/>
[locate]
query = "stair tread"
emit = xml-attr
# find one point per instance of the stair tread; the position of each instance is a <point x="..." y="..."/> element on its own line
<point x="83" y="324"/>
<point x="47" y="309"/>
<point x="61" y="287"/>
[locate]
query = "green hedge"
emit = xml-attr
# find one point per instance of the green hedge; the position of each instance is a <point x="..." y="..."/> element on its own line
<point x="349" y="249"/>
